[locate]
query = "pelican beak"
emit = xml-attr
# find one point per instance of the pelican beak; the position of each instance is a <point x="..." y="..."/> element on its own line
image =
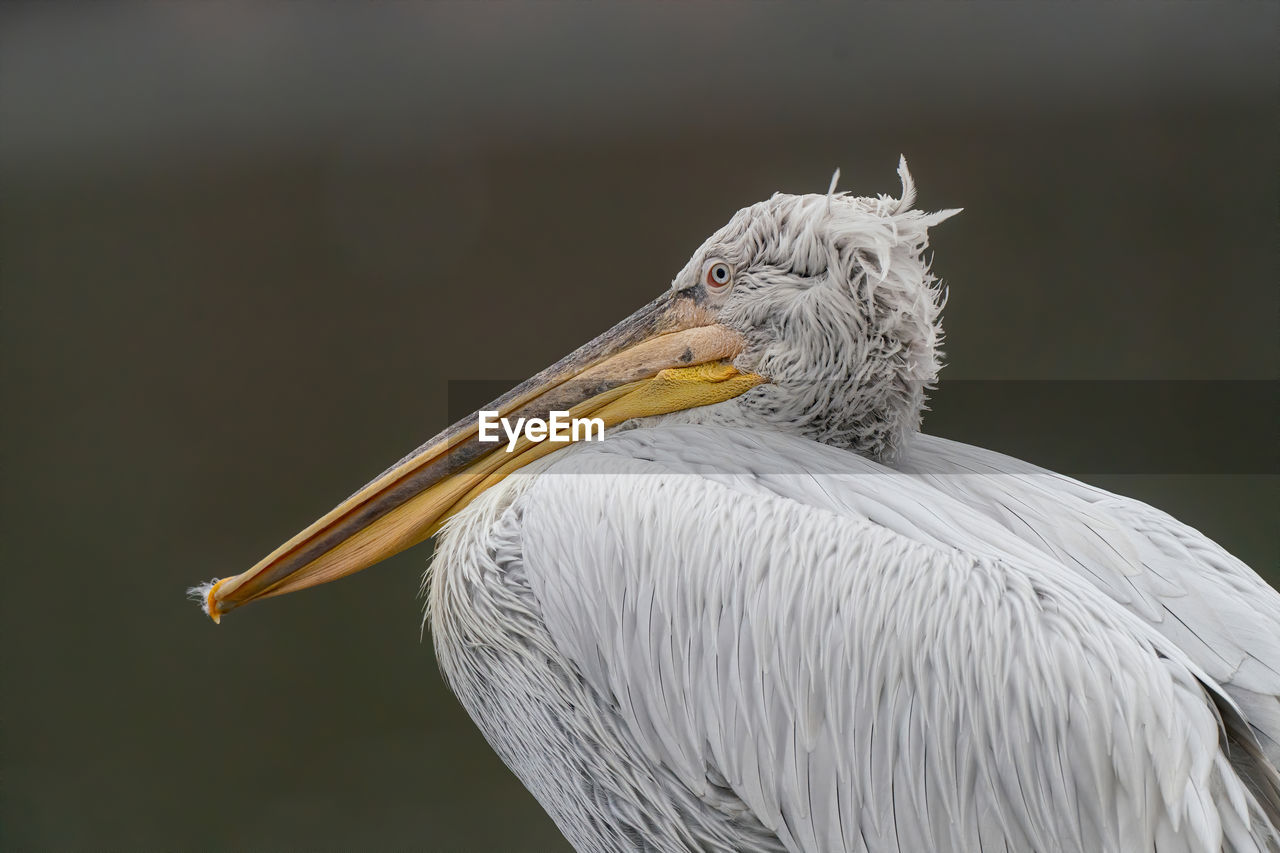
<point x="668" y="356"/>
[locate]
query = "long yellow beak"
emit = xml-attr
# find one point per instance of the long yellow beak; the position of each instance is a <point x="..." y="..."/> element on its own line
<point x="666" y="357"/>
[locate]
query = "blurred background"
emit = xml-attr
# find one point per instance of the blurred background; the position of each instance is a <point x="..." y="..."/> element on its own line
<point x="244" y="249"/>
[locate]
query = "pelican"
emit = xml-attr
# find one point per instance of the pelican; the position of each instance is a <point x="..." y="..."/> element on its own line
<point x="767" y="613"/>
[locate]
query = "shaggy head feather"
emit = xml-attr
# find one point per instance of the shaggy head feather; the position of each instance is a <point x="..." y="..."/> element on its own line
<point x="840" y="311"/>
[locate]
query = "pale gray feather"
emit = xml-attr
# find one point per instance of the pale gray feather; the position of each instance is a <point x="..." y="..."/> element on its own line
<point x="852" y="657"/>
<point x="1213" y="606"/>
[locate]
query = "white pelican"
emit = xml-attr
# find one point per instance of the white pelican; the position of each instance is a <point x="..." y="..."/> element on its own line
<point x="768" y="614"/>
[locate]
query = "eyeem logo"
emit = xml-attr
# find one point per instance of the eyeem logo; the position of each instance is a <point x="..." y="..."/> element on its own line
<point x="561" y="428"/>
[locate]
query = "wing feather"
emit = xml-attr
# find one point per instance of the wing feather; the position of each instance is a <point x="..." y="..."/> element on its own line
<point x="1210" y="604"/>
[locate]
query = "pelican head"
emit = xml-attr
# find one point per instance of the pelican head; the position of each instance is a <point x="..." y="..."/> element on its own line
<point x="814" y="314"/>
<point x="837" y="307"/>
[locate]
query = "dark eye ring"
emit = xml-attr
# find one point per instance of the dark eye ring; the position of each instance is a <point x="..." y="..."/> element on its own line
<point x="717" y="274"/>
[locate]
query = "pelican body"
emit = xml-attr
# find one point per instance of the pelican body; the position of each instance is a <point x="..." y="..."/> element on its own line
<point x="768" y="613"/>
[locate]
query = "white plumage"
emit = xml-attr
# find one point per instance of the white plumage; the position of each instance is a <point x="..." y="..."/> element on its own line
<point x="699" y="651"/>
<point x="734" y="629"/>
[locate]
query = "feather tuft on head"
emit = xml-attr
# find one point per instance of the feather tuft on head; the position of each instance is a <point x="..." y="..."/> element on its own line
<point x="831" y="190"/>
<point x="908" y="197"/>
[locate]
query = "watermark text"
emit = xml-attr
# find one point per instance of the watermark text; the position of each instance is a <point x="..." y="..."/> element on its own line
<point x="558" y="428"/>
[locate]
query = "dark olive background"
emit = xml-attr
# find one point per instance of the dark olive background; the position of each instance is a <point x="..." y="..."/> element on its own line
<point x="244" y="250"/>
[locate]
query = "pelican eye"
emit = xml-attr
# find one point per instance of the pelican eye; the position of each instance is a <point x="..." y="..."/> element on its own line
<point x="717" y="274"/>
